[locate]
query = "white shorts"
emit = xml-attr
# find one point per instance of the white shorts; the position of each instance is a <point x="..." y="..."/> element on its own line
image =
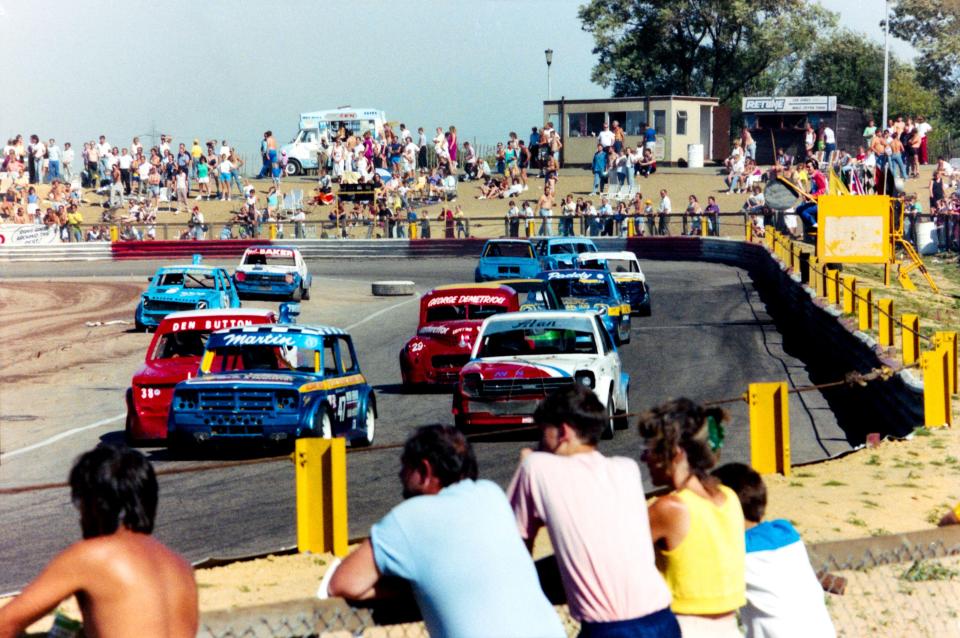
<point x="203" y="180"/>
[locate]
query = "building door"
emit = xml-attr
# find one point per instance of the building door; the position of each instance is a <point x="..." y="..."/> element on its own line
<point x="706" y="130"/>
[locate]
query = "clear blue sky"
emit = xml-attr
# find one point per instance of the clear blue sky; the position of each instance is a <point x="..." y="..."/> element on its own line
<point x="232" y="69"/>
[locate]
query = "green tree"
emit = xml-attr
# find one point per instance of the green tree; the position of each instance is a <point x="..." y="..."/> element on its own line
<point x="696" y="47"/>
<point x="933" y="28"/>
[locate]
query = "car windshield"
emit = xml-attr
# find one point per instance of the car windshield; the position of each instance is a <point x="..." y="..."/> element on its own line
<point x="622" y="265"/>
<point x="187" y="343"/>
<point x="509" y="249"/>
<point x="562" y="249"/>
<point x="269" y="260"/>
<point x="537" y="341"/>
<point x="260" y="357"/>
<point x="457" y="312"/>
<point x="577" y="288"/>
<point x="188" y="279"/>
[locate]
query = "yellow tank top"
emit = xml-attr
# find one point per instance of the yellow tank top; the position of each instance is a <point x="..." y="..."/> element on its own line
<point x="705" y="572"/>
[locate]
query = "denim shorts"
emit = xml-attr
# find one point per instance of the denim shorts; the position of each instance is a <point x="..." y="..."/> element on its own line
<point x="660" y="624"/>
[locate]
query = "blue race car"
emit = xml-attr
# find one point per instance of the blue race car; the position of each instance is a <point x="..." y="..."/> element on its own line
<point x="507" y="259"/>
<point x="557" y="253"/>
<point x="593" y="291"/>
<point x="273" y="384"/>
<point x="177" y="288"/>
<point x="273" y="271"/>
<point x="627" y="274"/>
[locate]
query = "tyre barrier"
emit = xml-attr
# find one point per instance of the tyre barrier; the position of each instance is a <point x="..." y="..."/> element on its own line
<point x="392" y="288"/>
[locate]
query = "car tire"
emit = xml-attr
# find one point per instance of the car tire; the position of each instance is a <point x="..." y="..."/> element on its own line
<point x="305" y="294"/>
<point x="644" y="310"/>
<point x="128" y="425"/>
<point x="608" y="429"/>
<point x="138" y="324"/>
<point x="620" y="422"/>
<point x="623" y="340"/>
<point x="370" y="423"/>
<point x="297" y="294"/>
<point x="293" y="168"/>
<point x="326" y="426"/>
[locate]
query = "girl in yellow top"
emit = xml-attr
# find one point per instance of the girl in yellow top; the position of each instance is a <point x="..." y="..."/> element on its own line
<point x="697" y="528"/>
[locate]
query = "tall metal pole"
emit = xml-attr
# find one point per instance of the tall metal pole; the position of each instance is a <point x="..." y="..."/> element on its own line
<point x="549" y="56"/>
<point x="886" y="59"/>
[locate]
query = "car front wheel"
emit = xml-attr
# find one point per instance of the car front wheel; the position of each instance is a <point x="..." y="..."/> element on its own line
<point x="370" y="423"/>
<point x="293" y="168"/>
<point x="609" y="428"/>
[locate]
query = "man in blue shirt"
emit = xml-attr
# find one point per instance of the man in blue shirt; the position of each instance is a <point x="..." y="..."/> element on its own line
<point x="455" y="540"/>
<point x="599" y="170"/>
<point x="650" y="138"/>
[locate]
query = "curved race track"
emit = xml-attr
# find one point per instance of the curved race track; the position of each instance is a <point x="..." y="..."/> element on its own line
<point x="709" y="337"/>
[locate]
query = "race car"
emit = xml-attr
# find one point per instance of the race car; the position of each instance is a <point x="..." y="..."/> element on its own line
<point x="519" y="358"/>
<point x="625" y="268"/>
<point x="594" y="291"/>
<point x="273" y="271"/>
<point x="449" y="319"/>
<point x="173" y="355"/>
<point x="535" y="294"/>
<point x="505" y="259"/>
<point x="557" y="253"/>
<point x="178" y="288"/>
<point x="271" y="384"/>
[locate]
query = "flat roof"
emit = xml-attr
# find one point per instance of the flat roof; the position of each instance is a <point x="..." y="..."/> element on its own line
<point x="637" y="98"/>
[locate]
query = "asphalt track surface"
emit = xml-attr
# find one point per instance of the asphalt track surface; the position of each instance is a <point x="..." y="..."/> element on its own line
<point x="709" y="336"/>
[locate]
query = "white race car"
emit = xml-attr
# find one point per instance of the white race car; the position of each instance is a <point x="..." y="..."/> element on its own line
<point x="520" y="357"/>
<point x="273" y="271"/>
<point x="625" y="268"/>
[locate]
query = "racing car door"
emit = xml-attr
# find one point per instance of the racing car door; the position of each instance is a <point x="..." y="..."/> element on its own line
<point x="339" y="366"/>
<point x="609" y="362"/>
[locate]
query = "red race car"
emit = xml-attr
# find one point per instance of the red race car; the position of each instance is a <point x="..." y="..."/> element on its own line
<point x="173" y="356"/>
<point x="449" y="319"/>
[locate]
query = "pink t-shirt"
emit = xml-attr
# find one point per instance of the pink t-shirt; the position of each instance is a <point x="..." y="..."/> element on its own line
<point x="596" y="514"/>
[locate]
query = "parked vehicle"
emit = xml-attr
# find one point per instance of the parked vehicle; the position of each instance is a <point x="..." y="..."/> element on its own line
<point x="317" y="127"/>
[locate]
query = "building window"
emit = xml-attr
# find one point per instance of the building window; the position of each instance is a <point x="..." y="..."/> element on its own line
<point x="585" y="124"/>
<point x="635" y="121"/>
<point x="660" y="122"/>
<point x="681" y="122"/>
<point x="619" y="117"/>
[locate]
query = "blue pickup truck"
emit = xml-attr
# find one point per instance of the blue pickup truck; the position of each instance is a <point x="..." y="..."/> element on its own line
<point x="557" y="253"/>
<point x="507" y="259"/>
<point x="178" y="288"/>
<point x="274" y="384"/>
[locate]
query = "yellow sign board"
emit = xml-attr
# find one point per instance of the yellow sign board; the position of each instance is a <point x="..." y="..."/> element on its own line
<point x="853" y="229"/>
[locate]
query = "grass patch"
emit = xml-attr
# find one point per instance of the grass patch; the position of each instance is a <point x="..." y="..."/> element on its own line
<point x="873" y="460"/>
<point x="879" y="531"/>
<point x="857" y="522"/>
<point x="871" y="504"/>
<point x="924" y="570"/>
<point x="950" y="460"/>
<point x="244" y="589"/>
<point x="803" y="475"/>
<point x="922" y="431"/>
<point x="909" y="486"/>
<point x="833" y="483"/>
<point x="795" y="484"/>
<point x="937" y="444"/>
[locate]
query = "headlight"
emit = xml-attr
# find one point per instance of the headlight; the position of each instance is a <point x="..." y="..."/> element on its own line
<point x="289" y="278"/>
<point x="145" y="303"/>
<point x="241" y="276"/>
<point x="586" y="379"/>
<point x="470" y="384"/>
<point x="201" y="305"/>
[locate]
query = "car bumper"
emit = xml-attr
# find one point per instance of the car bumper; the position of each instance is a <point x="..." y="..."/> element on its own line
<point x="233" y="427"/>
<point x="505" y="412"/>
<point x="266" y="290"/>
<point x="149" y="424"/>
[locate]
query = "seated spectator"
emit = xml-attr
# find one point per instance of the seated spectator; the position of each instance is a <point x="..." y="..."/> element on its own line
<point x="647" y="166"/>
<point x="698" y="527"/>
<point x="127" y="582"/>
<point x="603" y="549"/>
<point x="784" y="595"/>
<point x="492" y="589"/>
<point x="494" y="188"/>
<point x="735" y="175"/>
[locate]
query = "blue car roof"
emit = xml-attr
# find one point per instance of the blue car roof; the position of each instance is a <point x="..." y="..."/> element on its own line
<point x="272" y="335"/>
<point x="188" y="268"/>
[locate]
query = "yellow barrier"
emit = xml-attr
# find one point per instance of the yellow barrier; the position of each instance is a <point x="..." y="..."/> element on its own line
<point x="885" y="319"/>
<point x="769" y="428"/>
<point x="768" y="237"/>
<point x="833" y="286"/>
<point x="949" y="341"/>
<point x="937" y="411"/>
<point x="273" y="231"/>
<point x="114" y="234"/>
<point x="704" y="227"/>
<point x="865" y="308"/>
<point x="817" y="277"/>
<point x="531" y="231"/>
<point x="749" y="231"/>
<point x="849" y="293"/>
<point x="413" y="230"/>
<point x="910" y="338"/>
<point x="321" y="474"/>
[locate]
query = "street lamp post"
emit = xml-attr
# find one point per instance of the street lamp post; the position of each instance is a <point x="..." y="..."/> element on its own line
<point x="549" y="55"/>
<point x="886" y="59"/>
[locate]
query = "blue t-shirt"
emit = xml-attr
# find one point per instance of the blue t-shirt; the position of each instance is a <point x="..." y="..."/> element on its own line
<point x="470" y="571"/>
<point x="650" y="135"/>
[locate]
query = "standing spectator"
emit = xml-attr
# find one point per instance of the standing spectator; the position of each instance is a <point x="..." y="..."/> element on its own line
<point x="411" y="151"/>
<point x="236" y="163"/>
<point x="712" y="213"/>
<point x="196" y="152"/>
<point x="809" y="141"/>
<point x="513" y="220"/>
<point x="829" y="144"/>
<point x="924" y="127"/>
<point x="54" y="156"/>
<point x="125" y="162"/>
<point x="663" y="213"/>
<point x="203" y="178"/>
<point x="599" y="170"/>
<point x="617" y="137"/>
<point x="68" y="159"/>
<point x="555" y="143"/>
<point x="694" y="213"/>
<point x="591" y="505"/>
<point x="569" y="211"/>
<point x="784" y="595"/>
<point x="103" y="150"/>
<point x="182" y="181"/>
<point x="452" y="148"/>
<point x="265" y="157"/>
<point x="116" y="187"/>
<point x="129" y="583"/>
<point x="936" y="190"/>
<point x="198" y="227"/>
<point x="489" y="591"/>
<point x="605" y="138"/>
<point x="869" y="131"/>
<point x="749" y="144"/>
<point x="38" y="152"/>
<point x="697" y="528"/>
<point x="534" y="146"/>
<point x="545" y="206"/>
<point x="649" y="138"/>
<point x="226" y="169"/>
<point x="74" y="220"/>
<point x="422" y="142"/>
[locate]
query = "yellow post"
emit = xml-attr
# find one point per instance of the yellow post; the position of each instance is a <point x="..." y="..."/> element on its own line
<point x="833" y="286"/>
<point x="910" y="339"/>
<point x="816" y="279"/>
<point x="849" y="293"/>
<point x="885" y="318"/>
<point x="631" y="228"/>
<point x="769" y="428"/>
<point x="321" y="474"/>
<point x="530" y="228"/>
<point x="114" y="234"/>
<point x="704" y="226"/>
<point x="865" y="308"/>
<point x="768" y="237"/>
<point x="949" y="341"/>
<point x="273" y="231"/>
<point x="749" y="231"/>
<point x="937" y="411"/>
<point x="413" y="230"/>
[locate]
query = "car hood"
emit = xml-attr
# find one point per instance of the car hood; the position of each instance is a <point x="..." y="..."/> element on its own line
<point x="589" y="303"/>
<point x="166" y="371"/>
<point x="264" y="378"/>
<point x="179" y="292"/>
<point x="536" y="367"/>
<point x="629" y="277"/>
<point x="450" y="332"/>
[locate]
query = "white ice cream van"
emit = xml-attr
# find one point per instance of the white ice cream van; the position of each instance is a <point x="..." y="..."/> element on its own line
<point x="316" y="126"/>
